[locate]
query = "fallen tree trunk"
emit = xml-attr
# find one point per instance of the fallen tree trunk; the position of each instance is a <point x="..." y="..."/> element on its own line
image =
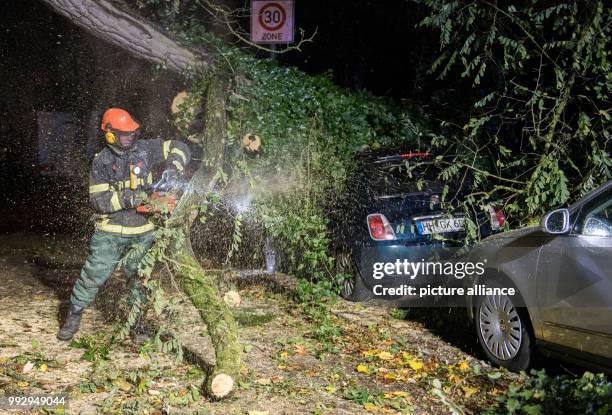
<point x="219" y="321"/>
<point x="136" y="36"/>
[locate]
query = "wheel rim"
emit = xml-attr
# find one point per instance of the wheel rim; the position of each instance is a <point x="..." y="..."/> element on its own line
<point x="500" y="326"/>
<point x="343" y="264"/>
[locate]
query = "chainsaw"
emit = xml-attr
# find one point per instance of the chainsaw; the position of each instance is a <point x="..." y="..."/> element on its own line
<point x="159" y="196"/>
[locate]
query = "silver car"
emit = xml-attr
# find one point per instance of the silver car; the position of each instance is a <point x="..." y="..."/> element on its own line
<point x="561" y="272"/>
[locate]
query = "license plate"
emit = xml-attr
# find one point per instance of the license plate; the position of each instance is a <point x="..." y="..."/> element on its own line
<point x="426" y="227"/>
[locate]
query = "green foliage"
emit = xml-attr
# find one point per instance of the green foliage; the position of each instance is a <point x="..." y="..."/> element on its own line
<point x="315" y="299"/>
<point x="303" y="238"/>
<point x="60" y="410"/>
<point x="399" y="313"/>
<point x="540" y="394"/>
<point x="97" y="347"/>
<point x="314" y="295"/>
<point x="362" y="396"/>
<point x="311" y="130"/>
<point x="438" y="390"/>
<point x="236" y="237"/>
<point x="35" y="357"/>
<point x="285" y="106"/>
<point x="537" y="134"/>
<point x="117" y="382"/>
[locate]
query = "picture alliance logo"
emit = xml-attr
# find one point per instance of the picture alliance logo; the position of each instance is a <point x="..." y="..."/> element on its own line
<point x="411" y="269"/>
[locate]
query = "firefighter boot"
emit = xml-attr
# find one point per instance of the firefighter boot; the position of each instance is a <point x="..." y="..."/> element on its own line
<point x="71" y="325"/>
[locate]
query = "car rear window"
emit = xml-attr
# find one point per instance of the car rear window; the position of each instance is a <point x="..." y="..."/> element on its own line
<point x="398" y="177"/>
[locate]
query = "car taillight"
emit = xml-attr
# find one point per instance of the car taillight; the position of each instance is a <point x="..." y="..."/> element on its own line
<point x="380" y="228"/>
<point x="498" y="218"/>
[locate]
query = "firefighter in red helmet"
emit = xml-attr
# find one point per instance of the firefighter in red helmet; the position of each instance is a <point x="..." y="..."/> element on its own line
<point x="121" y="178"/>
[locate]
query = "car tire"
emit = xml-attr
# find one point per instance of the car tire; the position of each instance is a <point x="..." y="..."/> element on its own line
<point x="353" y="288"/>
<point x="503" y="331"/>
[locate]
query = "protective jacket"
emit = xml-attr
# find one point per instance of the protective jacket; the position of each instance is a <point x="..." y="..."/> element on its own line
<point x="109" y="182"/>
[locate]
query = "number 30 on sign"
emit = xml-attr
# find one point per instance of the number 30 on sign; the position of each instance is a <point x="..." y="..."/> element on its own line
<point x="272" y="21"/>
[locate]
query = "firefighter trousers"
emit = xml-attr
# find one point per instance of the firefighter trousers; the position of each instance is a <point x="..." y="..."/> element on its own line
<point x="107" y="250"/>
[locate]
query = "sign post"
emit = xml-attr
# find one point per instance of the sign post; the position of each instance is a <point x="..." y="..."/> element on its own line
<point x="272" y="21"/>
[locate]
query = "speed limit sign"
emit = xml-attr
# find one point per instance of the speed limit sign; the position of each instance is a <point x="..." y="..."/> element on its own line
<point x="272" y="21"/>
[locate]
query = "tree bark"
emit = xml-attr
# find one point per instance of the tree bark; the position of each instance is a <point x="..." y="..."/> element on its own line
<point x="136" y="36"/>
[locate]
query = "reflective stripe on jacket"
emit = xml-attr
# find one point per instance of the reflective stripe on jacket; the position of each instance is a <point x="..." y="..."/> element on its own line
<point x="109" y="182"/>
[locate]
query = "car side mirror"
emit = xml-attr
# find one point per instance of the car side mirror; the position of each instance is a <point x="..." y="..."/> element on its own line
<point x="556" y="222"/>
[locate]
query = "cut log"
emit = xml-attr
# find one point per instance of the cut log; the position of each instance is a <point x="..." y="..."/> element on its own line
<point x="131" y="33"/>
<point x="179" y="100"/>
<point x="221" y="385"/>
<point x="232" y="298"/>
<point x="251" y="142"/>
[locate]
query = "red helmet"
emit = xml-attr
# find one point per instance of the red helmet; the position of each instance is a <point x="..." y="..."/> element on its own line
<point x="119" y="120"/>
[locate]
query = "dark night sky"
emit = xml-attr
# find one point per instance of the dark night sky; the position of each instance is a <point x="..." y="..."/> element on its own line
<point x="367" y="44"/>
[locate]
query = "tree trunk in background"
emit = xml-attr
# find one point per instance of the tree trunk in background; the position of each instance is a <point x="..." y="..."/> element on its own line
<point x="143" y="40"/>
<point x="138" y="37"/>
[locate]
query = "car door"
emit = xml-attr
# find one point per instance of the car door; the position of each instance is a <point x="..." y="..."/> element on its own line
<point x="574" y="281"/>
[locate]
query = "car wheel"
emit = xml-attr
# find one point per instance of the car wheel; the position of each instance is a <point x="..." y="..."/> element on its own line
<point x="503" y="331"/>
<point x="353" y="288"/>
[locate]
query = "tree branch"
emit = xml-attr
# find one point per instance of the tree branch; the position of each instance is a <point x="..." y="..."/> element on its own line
<point x="131" y="33"/>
